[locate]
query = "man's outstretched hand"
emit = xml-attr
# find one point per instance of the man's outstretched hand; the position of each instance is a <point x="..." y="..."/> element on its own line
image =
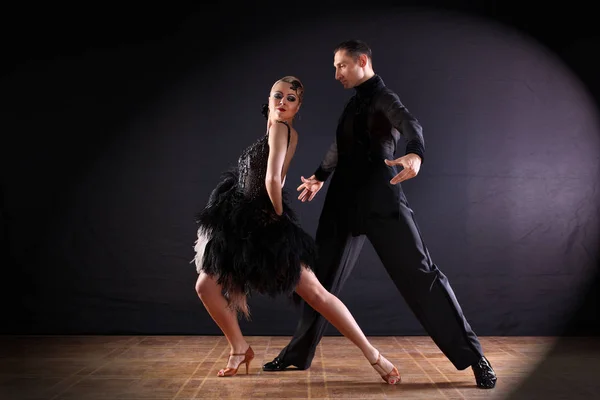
<point x="310" y="187"/>
<point x="411" y="164"/>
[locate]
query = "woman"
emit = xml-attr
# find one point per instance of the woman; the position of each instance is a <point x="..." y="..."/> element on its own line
<point x="249" y="239"/>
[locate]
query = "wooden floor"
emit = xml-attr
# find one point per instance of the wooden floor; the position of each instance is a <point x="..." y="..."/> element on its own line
<point x="185" y="367"/>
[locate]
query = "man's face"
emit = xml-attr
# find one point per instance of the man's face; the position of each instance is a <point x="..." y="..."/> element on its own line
<point x="347" y="70"/>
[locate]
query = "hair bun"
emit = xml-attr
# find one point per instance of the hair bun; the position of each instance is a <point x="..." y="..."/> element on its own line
<point x="265" y="110"/>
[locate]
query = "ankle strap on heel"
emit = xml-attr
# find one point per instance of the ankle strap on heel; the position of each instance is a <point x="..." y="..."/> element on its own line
<point x="378" y="359"/>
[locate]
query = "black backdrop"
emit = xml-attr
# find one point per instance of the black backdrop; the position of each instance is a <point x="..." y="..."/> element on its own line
<point x="117" y="124"/>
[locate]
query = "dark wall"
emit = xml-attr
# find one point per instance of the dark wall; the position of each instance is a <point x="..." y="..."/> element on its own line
<point x="115" y="133"/>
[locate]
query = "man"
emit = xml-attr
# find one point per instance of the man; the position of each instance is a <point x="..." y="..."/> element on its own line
<point x="364" y="200"/>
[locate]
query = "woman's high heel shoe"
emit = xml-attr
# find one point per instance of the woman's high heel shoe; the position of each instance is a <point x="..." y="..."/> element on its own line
<point x="392" y="377"/>
<point x="248" y="356"/>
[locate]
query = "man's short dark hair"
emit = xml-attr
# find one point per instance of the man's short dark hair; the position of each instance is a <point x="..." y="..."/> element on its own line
<point x="355" y="48"/>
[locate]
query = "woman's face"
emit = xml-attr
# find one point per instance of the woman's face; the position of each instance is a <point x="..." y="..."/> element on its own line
<point x="283" y="101"/>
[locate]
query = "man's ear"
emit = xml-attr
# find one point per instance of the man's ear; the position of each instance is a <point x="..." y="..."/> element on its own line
<point x="363" y="59"/>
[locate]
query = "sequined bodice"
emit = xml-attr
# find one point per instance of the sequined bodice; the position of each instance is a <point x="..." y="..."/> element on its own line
<point x="252" y="167"/>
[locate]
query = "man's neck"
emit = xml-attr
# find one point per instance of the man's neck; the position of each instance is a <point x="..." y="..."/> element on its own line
<point x="368" y="75"/>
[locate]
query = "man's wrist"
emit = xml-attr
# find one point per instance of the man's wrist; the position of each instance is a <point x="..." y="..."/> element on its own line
<point x="320" y="175"/>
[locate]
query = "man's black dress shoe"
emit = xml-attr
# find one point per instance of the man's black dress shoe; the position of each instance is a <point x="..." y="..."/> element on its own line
<point x="276" y="365"/>
<point x="484" y="374"/>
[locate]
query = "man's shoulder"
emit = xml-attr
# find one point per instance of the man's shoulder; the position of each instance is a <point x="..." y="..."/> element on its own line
<point x="386" y="91"/>
<point x="382" y="87"/>
<point x="385" y="96"/>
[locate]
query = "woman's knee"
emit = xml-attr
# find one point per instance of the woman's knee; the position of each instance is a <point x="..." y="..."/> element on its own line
<point x="312" y="291"/>
<point x="204" y="284"/>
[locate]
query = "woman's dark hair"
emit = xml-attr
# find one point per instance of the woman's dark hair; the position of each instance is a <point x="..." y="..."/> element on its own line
<point x="265" y="110"/>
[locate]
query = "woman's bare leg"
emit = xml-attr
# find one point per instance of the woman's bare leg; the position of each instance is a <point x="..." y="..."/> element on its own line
<point x="332" y="308"/>
<point x="210" y="294"/>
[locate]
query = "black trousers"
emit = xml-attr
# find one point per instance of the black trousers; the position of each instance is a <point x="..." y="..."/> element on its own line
<point x="402" y="251"/>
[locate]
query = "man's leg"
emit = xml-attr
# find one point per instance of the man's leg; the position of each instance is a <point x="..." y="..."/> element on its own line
<point x="338" y="252"/>
<point x="426" y="289"/>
